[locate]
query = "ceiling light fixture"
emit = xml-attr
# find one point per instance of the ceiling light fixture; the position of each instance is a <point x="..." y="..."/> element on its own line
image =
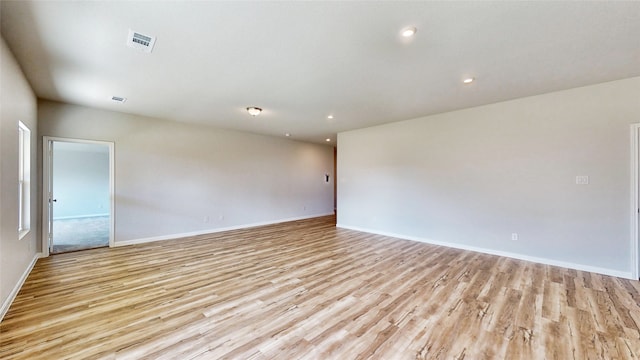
<point x="327" y="140"/>
<point x="409" y="32"/>
<point x="468" y="80"/>
<point x="254" y="111"/>
<point x="330" y="117"/>
<point x="287" y="134"/>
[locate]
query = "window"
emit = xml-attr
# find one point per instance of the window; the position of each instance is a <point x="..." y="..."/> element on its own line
<point x="24" y="179"/>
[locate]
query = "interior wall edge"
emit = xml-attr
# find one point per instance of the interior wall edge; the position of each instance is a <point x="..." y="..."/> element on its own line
<point x="19" y="103"/>
<point x="504" y="176"/>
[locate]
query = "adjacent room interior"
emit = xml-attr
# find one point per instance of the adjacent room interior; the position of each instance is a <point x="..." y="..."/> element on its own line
<point x="79" y="177"/>
<point x="319" y="180"/>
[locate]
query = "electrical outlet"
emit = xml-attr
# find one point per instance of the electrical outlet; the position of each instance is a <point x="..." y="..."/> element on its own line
<point x="514" y="236"/>
<point x="582" y="180"/>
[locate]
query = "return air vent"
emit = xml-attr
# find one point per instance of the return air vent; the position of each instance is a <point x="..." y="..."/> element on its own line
<point x="140" y="41"/>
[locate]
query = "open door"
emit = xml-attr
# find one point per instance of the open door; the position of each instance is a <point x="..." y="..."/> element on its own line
<point x="78" y="195"/>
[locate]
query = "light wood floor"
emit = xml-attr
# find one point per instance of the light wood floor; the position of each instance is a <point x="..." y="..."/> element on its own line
<point x="308" y="290"/>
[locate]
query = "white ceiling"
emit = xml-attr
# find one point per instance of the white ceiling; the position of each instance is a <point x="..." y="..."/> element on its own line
<point x="302" y="61"/>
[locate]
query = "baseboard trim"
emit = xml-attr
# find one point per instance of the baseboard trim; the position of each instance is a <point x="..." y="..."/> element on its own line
<point x="16" y="289"/>
<point x="212" y="231"/>
<point x="80" y="216"/>
<point x="545" y="261"/>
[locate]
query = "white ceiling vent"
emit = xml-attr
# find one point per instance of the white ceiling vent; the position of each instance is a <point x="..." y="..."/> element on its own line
<point x="118" y="99"/>
<point x="140" y="41"/>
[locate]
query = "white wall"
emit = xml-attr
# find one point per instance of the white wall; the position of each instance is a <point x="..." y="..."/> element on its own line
<point x="17" y="103"/>
<point x="473" y="177"/>
<point x="175" y="178"/>
<point x="80" y="180"/>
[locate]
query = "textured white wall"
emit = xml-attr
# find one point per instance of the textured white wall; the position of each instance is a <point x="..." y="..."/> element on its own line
<point x="170" y="176"/>
<point x="473" y="177"/>
<point x="17" y="103"/>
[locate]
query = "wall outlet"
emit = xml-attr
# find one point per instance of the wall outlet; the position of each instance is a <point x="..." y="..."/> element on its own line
<point x="514" y="236"/>
<point x="582" y="180"/>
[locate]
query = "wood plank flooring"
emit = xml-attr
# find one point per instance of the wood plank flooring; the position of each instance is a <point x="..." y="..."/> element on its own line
<point x="306" y="290"/>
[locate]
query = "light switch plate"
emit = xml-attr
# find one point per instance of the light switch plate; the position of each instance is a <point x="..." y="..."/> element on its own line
<point x="582" y="180"/>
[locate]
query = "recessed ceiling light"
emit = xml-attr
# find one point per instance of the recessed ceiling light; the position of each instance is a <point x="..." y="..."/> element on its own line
<point x="118" y="99"/>
<point x="254" y="111"/>
<point x="330" y="117"/>
<point x="327" y="140"/>
<point x="468" y="80"/>
<point x="409" y="32"/>
<point x="287" y="134"/>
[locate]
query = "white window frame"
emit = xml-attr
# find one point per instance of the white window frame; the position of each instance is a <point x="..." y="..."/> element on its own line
<point x="24" y="180"/>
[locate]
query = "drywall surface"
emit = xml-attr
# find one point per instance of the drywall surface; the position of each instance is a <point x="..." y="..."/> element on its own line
<point x="80" y="180"/>
<point x="177" y="178"/>
<point x="472" y="178"/>
<point x="17" y="103"/>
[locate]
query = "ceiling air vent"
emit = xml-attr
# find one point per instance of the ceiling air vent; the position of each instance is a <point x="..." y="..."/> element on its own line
<point x="140" y="41"/>
<point x="118" y="99"/>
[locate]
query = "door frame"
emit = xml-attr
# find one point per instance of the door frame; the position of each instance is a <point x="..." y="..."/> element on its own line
<point x="47" y="181"/>
<point x="635" y="200"/>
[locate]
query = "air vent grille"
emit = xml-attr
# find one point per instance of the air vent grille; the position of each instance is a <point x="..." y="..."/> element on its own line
<point x="140" y="41"/>
<point x="118" y="99"/>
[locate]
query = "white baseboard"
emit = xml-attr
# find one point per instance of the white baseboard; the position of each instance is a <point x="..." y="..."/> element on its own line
<point x="211" y="231"/>
<point x="12" y="295"/>
<point x="79" y="216"/>
<point x="545" y="261"/>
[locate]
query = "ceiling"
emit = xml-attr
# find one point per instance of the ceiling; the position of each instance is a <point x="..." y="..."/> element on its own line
<point x="304" y="61"/>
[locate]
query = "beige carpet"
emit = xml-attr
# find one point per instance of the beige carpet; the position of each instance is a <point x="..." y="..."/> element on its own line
<point x="80" y="234"/>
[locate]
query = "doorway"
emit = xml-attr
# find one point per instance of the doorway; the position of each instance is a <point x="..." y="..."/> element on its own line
<point x="78" y="195"/>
